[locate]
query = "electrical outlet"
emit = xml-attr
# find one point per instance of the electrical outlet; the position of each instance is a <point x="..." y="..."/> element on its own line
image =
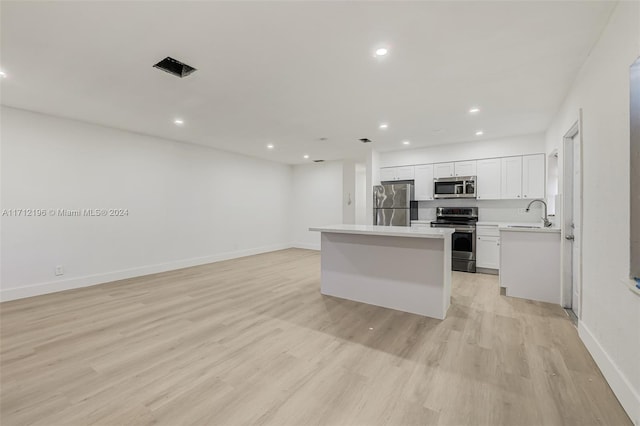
<point x="59" y="270"/>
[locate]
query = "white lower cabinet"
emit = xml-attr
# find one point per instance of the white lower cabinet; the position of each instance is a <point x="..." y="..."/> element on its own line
<point x="531" y="264"/>
<point x="487" y="247"/>
<point x="488" y="252"/>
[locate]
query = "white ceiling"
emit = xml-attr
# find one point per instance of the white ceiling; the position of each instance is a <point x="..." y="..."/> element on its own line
<point x="289" y="73"/>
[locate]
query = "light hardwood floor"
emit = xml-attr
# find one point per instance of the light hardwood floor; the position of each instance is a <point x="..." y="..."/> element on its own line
<point x="252" y="341"/>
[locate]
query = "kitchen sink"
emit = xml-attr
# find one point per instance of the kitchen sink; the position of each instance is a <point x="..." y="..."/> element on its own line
<point x="525" y="226"/>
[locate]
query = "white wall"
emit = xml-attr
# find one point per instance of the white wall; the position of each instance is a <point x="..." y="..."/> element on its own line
<point x="361" y="194"/>
<point x="318" y="195"/>
<point x="504" y="147"/>
<point x="610" y="323"/>
<point x="349" y="191"/>
<point x="187" y="204"/>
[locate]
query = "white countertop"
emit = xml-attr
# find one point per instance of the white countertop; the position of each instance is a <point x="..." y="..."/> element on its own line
<point x="519" y="226"/>
<point x="388" y="231"/>
<point x="516" y="229"/>
<point x="506" y="226"/>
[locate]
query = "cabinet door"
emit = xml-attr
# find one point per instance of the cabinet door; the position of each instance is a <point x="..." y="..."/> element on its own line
<point x="465" y="168"/>
<point x="488" y="252"/>
<point x="511" y="186"/>
<point x="404" y="173"/>
<point x="488" y="179"/>
<point x="442" y="170"/>
<point x="388" y="173"/>
<point x="533" y="174"/>
<point x="424" y="182"/>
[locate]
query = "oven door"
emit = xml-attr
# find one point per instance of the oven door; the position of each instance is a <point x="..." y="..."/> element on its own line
<point x="463" y="246"/>
<point x="463" y="243"/>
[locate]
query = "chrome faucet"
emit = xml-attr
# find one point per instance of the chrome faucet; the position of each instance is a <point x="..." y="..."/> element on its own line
<point x="545" y="218"/>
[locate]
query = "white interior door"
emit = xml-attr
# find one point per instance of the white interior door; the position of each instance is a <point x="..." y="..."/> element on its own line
<point x="572" y="222"/>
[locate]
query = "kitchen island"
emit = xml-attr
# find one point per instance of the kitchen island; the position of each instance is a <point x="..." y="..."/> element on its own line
<point x="402" y="268"/>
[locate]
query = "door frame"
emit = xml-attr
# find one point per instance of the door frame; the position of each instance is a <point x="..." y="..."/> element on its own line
<point x="568" y="141"/>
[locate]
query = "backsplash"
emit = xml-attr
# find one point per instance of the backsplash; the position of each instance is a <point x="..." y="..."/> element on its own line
<point x="488" y="210"/>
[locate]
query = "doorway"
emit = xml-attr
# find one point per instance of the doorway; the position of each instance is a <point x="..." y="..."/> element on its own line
<point x="572" y="219"/>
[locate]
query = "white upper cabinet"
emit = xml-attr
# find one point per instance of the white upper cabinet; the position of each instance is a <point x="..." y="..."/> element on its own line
<point x="387" y="173"/>
<point x="533" y="174"/>
<point x="511" y="178"/>
<point x="423" y="182"/>
<point x="488" y="179"/>
<point x="405" y="173"/>
<point x="506" y="178"/>
<point x="443" y="170"/>
<point x="465" y="168"/>
<point x="459" y="168"/>
<point x="396" y="173"/>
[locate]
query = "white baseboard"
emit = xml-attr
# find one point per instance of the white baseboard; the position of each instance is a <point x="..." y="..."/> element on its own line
<point x="622" y="388"/>
<point x="306" y="246"/>
<point x="14" y="293"/>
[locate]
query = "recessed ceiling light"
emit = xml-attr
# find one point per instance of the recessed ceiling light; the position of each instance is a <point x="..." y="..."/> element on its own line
<point x="270" y="146"/>
<point x="474" y="110"/>
<point x="383" y="126"/>
<point x="382" y="51"/>
<point x="3" y="74"/>
<point x="479" y="133"/>
<point x="178" y="121"/>
<point x="305" y="156"/>
<point x="405" y="142"/>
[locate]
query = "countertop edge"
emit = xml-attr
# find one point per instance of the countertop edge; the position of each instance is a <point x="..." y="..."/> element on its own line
<point x="440" y="234"/>
<point x="535" y="230"/>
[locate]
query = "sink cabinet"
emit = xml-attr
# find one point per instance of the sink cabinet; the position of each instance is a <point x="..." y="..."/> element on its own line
<point x="530" y="264"/>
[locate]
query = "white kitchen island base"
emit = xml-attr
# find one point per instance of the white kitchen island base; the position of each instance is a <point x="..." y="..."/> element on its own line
<point x="404" y="269"/>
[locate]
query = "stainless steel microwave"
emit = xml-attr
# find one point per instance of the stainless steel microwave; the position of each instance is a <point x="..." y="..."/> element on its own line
<point x="455" y="187"/>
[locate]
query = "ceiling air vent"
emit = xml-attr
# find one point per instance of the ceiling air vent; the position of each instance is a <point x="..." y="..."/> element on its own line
<point x="365" y="140"/>
<point x="175" y="67"/>
<point x="318" y="161"/>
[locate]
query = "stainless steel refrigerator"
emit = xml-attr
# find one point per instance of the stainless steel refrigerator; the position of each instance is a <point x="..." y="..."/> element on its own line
<point x="392" y="204"/>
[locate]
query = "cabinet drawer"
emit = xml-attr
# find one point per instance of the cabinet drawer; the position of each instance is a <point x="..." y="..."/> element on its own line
<point x="487" y="230"/>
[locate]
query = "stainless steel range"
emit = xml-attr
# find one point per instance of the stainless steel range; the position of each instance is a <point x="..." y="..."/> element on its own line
<point x="463" y="240"/>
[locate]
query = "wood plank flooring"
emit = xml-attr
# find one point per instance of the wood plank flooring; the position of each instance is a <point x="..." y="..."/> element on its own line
<point x="252" y="341"/>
